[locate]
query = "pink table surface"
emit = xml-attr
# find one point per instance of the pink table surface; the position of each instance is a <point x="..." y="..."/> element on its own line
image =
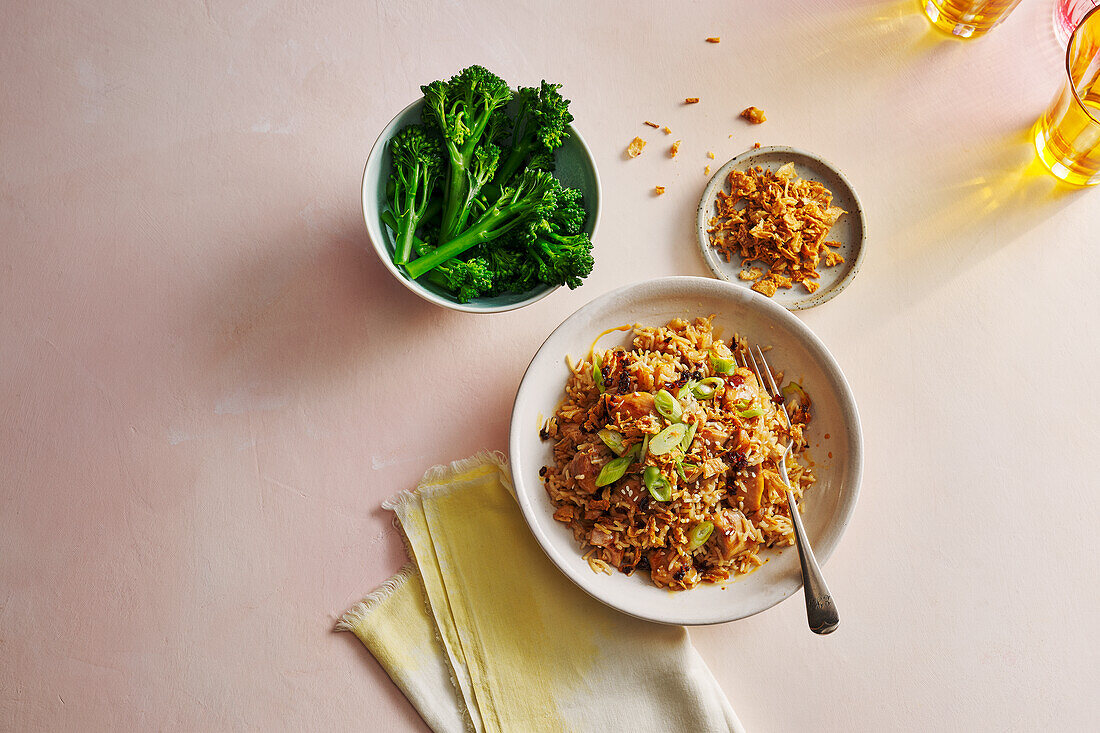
<point x="208" y="383"/>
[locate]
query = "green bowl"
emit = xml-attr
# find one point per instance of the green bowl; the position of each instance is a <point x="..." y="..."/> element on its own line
<point x="574" y="167"/>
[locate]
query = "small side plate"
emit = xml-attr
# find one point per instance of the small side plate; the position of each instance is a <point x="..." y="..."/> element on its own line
<point x="850" y="230"/>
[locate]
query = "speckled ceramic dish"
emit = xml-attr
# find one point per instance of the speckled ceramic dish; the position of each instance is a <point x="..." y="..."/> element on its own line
<point x="838" y="458"/>
<point x="850" y="230"/>
<point x="574" y="167"/>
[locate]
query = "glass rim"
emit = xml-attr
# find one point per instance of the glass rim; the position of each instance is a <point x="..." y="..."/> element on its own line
<point x="1069" y="71"/>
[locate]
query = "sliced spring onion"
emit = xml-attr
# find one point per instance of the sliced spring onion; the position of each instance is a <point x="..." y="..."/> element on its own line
<point x="597" y="372"/>
<point x="668" y="405"/>
<point x="657" y="485"/>
<point x="792" y="387"/>
<point x="682" y="468"/>
<point x="754" y="412"/>
<point x="613" y="440"/>
<point x="719" y="365"/>
<point x="685" y="444"/>
<point x="668" y="439"/>
<point x="703" y="391"/>
<point x="645" y="446"/>
<point x="686" y="389"/>
<point x="707" y="388"/>
<point x="614" y="470"/>
<point x="699" y="535"/>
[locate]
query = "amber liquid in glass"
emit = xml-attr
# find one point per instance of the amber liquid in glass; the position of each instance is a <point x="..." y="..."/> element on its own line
<point x="967" y="18"/>
<point x="1068" y="140"/>
<point x="1068" y="134"/>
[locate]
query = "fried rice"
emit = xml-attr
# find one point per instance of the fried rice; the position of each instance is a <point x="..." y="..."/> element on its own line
<point x="710" y="504"/>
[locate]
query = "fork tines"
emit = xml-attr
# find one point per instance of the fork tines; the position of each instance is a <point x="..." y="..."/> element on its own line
<point x="744" y="356"/>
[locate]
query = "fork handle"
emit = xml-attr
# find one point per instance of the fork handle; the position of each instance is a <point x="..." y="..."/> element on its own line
<point x="821" y="612"/>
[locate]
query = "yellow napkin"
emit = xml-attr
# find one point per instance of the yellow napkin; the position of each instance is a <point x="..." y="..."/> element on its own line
<point x="481" y="631"/>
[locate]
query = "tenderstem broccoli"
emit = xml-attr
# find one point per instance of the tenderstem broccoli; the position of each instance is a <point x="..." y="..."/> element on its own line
<point x="466" y="109"/>
<point x="541" y="126"/>
<point x="416" y="166"/>
<point x="474" y="208"/>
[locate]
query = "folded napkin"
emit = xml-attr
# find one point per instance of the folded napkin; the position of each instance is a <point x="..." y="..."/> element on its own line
<point x="481" y="631"/>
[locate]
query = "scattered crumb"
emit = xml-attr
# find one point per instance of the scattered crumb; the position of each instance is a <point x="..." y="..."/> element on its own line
<point x="831" y="257"/>
<point x="755" y="115"/>
<point x="781" y="280"/>
<point x="658" y="190"/>
<point x="750" y="273"/>
<point x="810" y="286"/>
<point x="654" y="125"/>
<point x="635" y="147"/>
<point x="706" y="171"/>
<point x="765" y="286"/>
<point x="691" y="100"/>
<point x="674" y="149"/>
<point x="710" y="155"/>
<point x="714" y="39"/>
<point x="756" y="146"/>
<point x="666" y="130"/>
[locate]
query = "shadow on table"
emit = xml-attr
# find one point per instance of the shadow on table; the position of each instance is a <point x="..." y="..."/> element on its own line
<point x="994" y="194"/>
<point x="312" y="307"/>
<point x="877" y="38"/>
<point x="1001" y="184"/>
<point x="1001" y="192"/>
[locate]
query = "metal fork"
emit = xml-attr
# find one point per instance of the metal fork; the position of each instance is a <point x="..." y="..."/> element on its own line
<point x="821" y="612"/>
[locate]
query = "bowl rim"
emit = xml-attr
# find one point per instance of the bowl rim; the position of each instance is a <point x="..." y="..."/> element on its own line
<point x="717" y="181"/>
<point x="701" y="286"/>
<point x="374" y="230"/>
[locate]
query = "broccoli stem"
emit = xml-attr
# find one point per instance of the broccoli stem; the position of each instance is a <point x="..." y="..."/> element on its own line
<point x="431" y="210"/>
<point x="434" y="277"/>
<point x="457" y="193"/>
<point x="494" y="223"/>
<point x="403" y="244"/>
<point x="454" y="194"/>
<point x="514" y="162"/>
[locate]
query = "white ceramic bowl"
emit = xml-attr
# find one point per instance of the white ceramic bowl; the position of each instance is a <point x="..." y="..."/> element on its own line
<point x="796" y="351"/>
<point x="574" y="167"/>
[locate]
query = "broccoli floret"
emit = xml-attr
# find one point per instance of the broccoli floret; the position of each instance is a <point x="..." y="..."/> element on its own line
<point x="466" y="279"/>
<point x="417" y="163"/>
<point x="569" y="214"/>
<point x="533" y="196"/>
<point x="513" y="269"/>
<point x="563" y="258"/>
<point x="467" y="109"/>
<point x="541" y="126"/>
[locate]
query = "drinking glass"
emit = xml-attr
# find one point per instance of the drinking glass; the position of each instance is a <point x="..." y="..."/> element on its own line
<point x="1067" y="14"/>
<point x="1067" y="138"/>
<point x="967" y="18"/>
